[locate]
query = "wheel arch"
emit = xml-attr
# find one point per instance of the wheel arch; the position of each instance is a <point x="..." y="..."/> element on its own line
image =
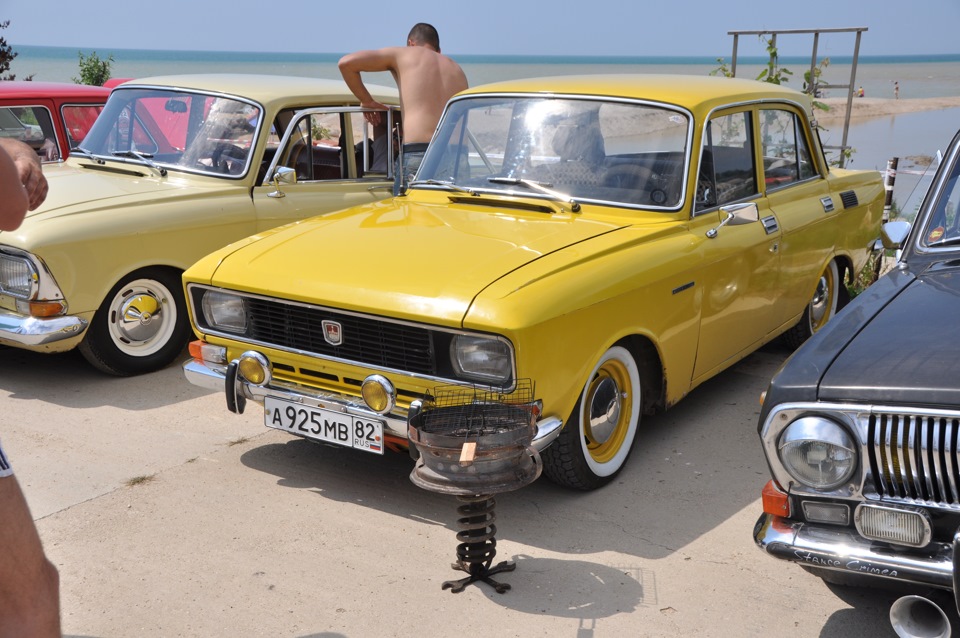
<point x="652" y="377"/>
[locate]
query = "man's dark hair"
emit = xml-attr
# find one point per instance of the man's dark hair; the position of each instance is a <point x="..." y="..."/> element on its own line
<point x="423" y="33"/>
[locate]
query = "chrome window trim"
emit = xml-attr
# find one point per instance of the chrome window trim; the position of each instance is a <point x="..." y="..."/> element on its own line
<point x="688" y="141"/>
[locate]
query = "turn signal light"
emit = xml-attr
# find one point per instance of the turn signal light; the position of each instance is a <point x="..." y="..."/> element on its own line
<point x="775" y="501"/>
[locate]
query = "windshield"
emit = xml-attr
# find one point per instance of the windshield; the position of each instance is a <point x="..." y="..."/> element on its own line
<point x="612" y="152"/>
<point x="177" y="130"/>
<point x="942" y="227"/>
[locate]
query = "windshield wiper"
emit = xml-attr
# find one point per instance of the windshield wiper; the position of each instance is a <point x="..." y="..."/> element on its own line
<point x="540" y="188"/>
<point x="143" y="157"/>
<point x="445" y="184"/>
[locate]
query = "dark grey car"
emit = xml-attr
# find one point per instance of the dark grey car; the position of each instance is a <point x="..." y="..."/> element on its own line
<point x="860" y="426"/>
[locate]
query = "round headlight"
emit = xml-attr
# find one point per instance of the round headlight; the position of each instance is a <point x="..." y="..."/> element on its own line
<point x="255" y="368"/>
<point x="378" y="393"/>
<point x="818" y="452"/>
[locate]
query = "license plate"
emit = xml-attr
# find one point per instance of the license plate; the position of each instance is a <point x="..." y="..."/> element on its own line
<point x="328" y="426"/>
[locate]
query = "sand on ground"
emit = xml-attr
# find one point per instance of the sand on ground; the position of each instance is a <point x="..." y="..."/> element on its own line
<point x="863" y="107"/>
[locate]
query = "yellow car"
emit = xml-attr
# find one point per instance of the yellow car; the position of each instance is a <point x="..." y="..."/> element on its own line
<point x="173" y="168"/>
<point x="615" y="240"/>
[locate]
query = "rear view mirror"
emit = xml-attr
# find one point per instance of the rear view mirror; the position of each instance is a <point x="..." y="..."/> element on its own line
<point x="175" y="106"/>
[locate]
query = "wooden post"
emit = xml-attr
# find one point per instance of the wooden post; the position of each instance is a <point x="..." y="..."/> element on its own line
<point x="888" y="179"/>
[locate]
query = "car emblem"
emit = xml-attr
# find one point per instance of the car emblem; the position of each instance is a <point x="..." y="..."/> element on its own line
<point x="332" y="332"/>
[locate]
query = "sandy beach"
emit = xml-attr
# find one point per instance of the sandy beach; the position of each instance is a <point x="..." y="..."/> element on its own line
<point x="864" y="107"/>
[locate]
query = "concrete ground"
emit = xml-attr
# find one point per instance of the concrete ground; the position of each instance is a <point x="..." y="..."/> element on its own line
<point x="169" y="516"/>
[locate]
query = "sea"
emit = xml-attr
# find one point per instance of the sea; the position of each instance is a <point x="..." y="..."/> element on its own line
<point x="914" y="138"/>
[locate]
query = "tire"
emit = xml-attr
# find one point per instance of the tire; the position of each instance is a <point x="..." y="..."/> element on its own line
<point x="590" y="452"/>
<point x="141" y="326"/>
<point x="821" y="308"/>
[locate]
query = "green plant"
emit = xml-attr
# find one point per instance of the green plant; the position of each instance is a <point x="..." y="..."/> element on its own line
<point x="776" y="74"/>
<point x="7" y="54"/>
<point x="93" y="70"/>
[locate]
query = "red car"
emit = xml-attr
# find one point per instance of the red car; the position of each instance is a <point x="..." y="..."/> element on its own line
<point x="52" y="117"/>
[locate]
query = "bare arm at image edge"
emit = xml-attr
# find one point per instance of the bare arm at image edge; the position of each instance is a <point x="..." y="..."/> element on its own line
<point x="29" y="582"/>
<point x="21" y="180"/>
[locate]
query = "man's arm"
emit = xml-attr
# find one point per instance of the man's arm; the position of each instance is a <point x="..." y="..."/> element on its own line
<point x="29" y="582"/>
<point x="371" y="61"/>
<point x="14" y="203"/>
<point x="27" y="163"/>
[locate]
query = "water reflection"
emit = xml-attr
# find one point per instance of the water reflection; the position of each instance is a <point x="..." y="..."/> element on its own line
<point x="914" y="138"/>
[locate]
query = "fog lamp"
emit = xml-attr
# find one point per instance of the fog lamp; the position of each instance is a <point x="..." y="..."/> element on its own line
<point x="833" y="513"/>
<point x="255" y="368"/>
<point x="900" y="526"/>
<point x="378" y="393"/>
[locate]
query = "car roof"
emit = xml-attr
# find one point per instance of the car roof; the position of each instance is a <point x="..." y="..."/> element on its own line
<point x="695" y="92"/>
<point x="35" y="89"/>
<point x="267" y="88"/>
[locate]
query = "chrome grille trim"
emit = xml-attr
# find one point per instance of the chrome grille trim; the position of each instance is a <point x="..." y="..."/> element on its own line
<point x="908" y="455"/>
<point x="915" y="456"/>
<point x="418" y="350"/>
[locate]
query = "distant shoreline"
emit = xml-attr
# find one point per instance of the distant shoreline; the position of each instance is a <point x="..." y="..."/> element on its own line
<point x="863" y="107"/>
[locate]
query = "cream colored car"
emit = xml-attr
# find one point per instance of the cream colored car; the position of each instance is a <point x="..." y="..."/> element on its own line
<point x="174" y="168"/>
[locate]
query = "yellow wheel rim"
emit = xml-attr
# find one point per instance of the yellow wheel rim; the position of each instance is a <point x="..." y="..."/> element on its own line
<point x="607" y="411"/>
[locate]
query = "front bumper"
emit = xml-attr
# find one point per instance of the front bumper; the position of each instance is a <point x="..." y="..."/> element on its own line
<point x="37" y="332"/>
<point x="840" y="550"/>
<point x="214" y="377"/>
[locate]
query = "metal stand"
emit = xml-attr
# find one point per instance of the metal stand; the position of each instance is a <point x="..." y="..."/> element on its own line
<point x="477" y="545"/>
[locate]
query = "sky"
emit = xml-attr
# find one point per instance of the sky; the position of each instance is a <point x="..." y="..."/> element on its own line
<point x="489" y="27"/>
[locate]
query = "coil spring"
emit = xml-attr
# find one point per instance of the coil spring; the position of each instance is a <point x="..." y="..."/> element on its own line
<point x="477" y="531"/>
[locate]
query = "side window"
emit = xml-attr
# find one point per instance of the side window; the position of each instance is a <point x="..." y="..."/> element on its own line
<point x="727" y="171"/>
<point x="373" y="151"/>
<point x="32" y="125"/>
<point x="77" y="119"/>
<point x="786" y="154"/>
<point x="315" y="150"/>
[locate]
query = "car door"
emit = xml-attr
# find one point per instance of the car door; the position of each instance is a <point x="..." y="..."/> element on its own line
<point x="799" y="196"/>
<point x="738" y="240"/>
<point x="327" y="159"/>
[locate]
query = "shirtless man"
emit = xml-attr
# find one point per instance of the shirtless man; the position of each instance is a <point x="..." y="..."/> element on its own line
<point x="426" y="80"/>
<point x="29" y="582"/>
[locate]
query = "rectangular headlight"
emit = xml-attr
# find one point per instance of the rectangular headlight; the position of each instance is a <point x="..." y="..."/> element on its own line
<point x="17" y="277"/>
<point x="893" y="525"/>
<point x="224" y="311"/>
<point x="482" y="359"/>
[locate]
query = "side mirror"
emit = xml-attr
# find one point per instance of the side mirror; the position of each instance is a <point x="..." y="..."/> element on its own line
<point x="283" y="175"/>
<point x="736" y="215"/>
<point x="894" y="234"/>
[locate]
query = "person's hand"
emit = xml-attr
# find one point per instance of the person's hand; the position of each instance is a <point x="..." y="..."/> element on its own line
<point x="50" y="151"/>
<point x="373" y="117"/>
<point x="31" y="176"/>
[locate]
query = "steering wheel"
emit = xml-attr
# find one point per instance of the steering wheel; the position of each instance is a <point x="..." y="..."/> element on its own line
<point x="228" y="158"/>
<point x="627" y="176"/>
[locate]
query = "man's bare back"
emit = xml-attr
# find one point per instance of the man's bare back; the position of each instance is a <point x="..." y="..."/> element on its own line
<point x="425" y="77"/>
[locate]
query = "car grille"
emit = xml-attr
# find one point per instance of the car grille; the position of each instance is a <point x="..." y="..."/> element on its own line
<point x="366" y="340"/>
<point x="915" y="457"/>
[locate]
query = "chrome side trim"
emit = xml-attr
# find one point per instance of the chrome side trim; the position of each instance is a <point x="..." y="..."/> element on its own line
<point x="34" y="331"/>
<point x="837" y="549"/>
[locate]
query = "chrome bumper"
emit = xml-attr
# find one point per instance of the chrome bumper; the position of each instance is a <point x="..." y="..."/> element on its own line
<point x="214" y="377"/>
<point x="837" y="549"/>
<point x="34" y="331"/>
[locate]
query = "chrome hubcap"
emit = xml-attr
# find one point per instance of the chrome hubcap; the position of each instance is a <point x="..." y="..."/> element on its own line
<point x="605" y="406"/>
<point x="140" y="318"/>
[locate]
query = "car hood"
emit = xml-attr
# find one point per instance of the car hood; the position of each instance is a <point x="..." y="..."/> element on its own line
<point x="906" y="354"/>
<point x="407" y="259"/>
<point x="81" y="186"/>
